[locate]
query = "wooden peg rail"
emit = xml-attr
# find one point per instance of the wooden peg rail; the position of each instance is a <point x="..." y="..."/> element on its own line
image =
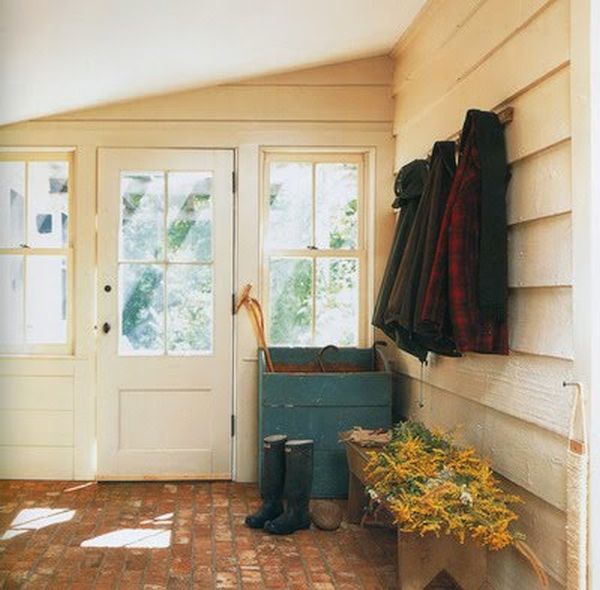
<point x="505" y="116"/>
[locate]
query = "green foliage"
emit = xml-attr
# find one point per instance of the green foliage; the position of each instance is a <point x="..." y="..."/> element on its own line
<point x="291" y="308"/>
<point x="141" y="324"/>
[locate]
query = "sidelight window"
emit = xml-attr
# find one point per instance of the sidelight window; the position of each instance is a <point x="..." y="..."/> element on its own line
<point x="35" y="252"/>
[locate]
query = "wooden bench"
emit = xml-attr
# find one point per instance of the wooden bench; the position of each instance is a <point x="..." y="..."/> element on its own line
<point x="421" y="560"/>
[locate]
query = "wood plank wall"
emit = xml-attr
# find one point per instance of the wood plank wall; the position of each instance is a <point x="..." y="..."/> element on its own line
<point x="490" y="54"/>
<point x="357" y="91"/>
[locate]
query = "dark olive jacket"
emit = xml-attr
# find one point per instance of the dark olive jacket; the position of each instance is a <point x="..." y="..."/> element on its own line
<point x="406" y="295"/>
<point x="410" y="184"/>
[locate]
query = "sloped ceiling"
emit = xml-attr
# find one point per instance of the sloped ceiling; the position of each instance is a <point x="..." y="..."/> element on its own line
<point x="60" y="55"/>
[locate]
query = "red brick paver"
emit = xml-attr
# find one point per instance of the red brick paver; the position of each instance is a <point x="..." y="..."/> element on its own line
<point x="209" y="547"/>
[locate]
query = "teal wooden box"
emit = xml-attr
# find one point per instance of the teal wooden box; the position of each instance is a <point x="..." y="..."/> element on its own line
<point x="354" y="390"/>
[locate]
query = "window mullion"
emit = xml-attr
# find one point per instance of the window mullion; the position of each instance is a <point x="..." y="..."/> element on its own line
<point x="314" y="253"/>
<point x="166" y="261"/>
<point x="314" y="298"/>
<point x="24" y="305"/>
<point x="26" y="208"/>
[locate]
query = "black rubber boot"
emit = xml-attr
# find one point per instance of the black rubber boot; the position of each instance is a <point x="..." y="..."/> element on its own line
<point x="298" y="484"/>
<point x="272" y="481"/>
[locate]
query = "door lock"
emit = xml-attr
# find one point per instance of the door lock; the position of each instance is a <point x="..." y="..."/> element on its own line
<point x="106" y="327"/>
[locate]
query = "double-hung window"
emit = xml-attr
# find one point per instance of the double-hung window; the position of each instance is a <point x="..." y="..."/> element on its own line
<point x="314" y="251"/>
<point x="35" y="252"/>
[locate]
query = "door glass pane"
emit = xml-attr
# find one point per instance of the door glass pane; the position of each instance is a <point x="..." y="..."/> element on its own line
<point x="46" y="300"/>
<point x="189" y="222"/>
<point x="337" y="206"/>
<point x="189" y="309"/>
<point x="11" y="300"/>
<point x="48" y="206"/>
<point x="337" y="301"/>
<point x="290" y="205"/>
<point x="12" y="204"/>
<point x="141" y="303"/>
<point x="290" y="301"/>
<point x="142" y="215"/>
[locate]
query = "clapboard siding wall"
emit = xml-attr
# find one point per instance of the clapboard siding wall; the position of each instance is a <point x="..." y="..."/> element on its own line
<point x="490" y="54"/>
<point x="47" y="406"/>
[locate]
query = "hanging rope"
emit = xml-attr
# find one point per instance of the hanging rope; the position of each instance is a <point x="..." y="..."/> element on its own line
<point x="257" y="319"/>
<point x="577" y="487"/>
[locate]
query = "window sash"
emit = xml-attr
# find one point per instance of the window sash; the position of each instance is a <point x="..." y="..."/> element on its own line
<point x="66" y="251"/>
<point x="311" y="251"/>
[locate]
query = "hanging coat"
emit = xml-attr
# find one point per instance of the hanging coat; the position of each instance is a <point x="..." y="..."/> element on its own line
<point x="410" y="183"/>
<point x="468" y="279"/>
<point x="405" y="301"/>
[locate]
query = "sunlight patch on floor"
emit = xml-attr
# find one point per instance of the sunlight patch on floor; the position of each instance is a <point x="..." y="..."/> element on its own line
<point x="163" y="519"/>
<point x="132" y="538"/>
<point x="33" y="519"/>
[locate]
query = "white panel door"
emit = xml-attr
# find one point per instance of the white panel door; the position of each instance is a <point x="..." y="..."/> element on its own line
<point x="165" y="263"/>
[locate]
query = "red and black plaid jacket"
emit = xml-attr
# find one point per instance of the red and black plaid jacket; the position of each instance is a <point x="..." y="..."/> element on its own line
<point x="452" y="306"/>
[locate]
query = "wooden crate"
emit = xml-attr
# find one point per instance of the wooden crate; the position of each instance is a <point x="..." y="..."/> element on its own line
<point x="317" y="406"/>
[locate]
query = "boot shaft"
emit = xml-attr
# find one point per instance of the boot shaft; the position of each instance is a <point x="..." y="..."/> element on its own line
<point x="273" y="473"/>
<point x="298" y="470"/>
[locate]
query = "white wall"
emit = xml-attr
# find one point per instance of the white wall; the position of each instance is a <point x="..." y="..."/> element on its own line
<point x="47" y="406"/>
<point x="490" y="54"/>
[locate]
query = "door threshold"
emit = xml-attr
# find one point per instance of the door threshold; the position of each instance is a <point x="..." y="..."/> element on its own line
<point x="166" y="478"/>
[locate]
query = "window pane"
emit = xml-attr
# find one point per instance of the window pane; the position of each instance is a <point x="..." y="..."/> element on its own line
<point x="337" y="301"/>
<point x="142" y="216"/>
<point x="46" y="300"/>
<point x="190" y="309"/>
<point x="48" y="206"/>
<point x="141" y="308"/>
<point x="12" y="204"/>
<point x="337" y="205"/>
<point x="290" y="205"/>
<point x="290" y="301"/>
<point x="189" y="233"/>
<point x="11" y="300"/>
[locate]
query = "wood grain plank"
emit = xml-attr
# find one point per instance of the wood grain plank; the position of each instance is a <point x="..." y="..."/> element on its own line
<point x="36" y="462"/>
<point x="545" y="528"/>
<point x="540" y="185"/>
<point x="531" y="457"/>
<point x="433" y="27"/>
<point x="519" y="64"/>
<point x="371" y="71"/>
<point x="524" y="386"/>
<point x="36" y="428"/>
<point x="540" y="253"/>
<point x="37" y="366"/>
<point x="486" y="30"/>
<point x="253" y="103"/>
<point x="541" y="321"/>
<point x="542" y="117"/>
<point x="36" y="393"/>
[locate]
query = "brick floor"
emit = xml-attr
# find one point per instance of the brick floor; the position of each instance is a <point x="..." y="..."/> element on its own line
<point x="209" y="545"/>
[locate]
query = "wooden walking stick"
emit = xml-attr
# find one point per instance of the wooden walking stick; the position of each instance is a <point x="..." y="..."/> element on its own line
<point x="257" y="318"/>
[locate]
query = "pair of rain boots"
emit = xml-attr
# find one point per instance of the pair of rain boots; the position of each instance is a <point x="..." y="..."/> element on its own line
<point x="287" y="470"/>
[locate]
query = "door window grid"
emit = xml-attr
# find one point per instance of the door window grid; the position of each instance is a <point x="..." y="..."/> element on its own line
<point x="323" y="253"/>
<point x="176" y="317"/>
<point x="35" y="253"/>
